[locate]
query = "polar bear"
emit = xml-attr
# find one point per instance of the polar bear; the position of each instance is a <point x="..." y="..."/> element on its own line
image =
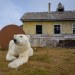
<point x="19" y="50"/>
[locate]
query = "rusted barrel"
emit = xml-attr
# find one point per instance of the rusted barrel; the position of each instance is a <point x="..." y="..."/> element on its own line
<point x="7" y="33"/>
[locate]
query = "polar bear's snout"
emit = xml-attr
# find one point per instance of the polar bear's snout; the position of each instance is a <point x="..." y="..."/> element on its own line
<point x="15" y="41"/>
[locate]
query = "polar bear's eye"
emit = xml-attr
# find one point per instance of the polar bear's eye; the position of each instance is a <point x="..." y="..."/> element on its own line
<point x="21" y="36"/>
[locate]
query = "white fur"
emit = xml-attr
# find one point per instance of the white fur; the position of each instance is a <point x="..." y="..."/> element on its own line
<point x="22" y="49"/>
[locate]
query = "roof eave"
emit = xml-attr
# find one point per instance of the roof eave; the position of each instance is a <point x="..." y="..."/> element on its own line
<point x="45" y="20"/>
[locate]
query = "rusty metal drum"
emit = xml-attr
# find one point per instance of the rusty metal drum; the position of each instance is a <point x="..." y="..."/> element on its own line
<point x="7" y="33"/>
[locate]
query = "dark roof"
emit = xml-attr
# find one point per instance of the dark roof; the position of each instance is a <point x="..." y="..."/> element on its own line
<point x="45" y="16"/>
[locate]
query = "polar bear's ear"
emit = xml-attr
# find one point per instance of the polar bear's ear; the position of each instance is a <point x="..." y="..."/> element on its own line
<point x="28" y="36"/>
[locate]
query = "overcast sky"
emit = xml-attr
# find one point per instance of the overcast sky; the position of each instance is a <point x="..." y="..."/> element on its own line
<point x="12" y="10"/>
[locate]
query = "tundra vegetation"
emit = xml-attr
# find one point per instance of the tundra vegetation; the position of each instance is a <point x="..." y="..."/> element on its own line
<point x="45" y="61"/>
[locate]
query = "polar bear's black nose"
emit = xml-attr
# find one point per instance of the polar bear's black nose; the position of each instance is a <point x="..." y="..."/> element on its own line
<point x="15" y="40"/>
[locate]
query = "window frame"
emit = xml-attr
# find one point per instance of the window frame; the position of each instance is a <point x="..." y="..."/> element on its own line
<point x="40" y="32"/>
<point x="58" y="27"/>
<point x="73" y="28"/>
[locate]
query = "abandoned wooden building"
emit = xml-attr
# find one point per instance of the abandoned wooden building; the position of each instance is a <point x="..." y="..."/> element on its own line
<point x="51" y="26"/>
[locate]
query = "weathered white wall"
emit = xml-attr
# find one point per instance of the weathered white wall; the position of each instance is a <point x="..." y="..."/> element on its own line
<point x="51" y="41"/>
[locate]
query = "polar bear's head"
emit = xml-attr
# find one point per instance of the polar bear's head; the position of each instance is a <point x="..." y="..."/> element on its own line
<point x="21" y="39"/>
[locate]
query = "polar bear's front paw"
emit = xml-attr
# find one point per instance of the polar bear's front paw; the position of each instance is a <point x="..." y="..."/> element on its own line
<point x="12" y="65"/>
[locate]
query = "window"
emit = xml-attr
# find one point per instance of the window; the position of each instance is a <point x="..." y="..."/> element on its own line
<point x="73" y="28"/>
<point x="56" y="29"/>
<point x="38" y="29"/>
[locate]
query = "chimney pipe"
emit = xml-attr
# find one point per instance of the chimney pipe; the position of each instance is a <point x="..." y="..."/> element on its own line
<point x="49" y="7"/>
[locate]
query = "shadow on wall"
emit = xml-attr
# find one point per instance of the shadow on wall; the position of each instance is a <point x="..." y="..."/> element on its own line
<point x="7" y="33"/>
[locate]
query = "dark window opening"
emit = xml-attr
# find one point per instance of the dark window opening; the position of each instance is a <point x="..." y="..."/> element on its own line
<point x="56" y="29"/>
<point x="73" y="28"/>
<point x="38" y="29"/>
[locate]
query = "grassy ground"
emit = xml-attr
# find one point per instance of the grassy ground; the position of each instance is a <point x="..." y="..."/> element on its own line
<point x="46" y="61"/>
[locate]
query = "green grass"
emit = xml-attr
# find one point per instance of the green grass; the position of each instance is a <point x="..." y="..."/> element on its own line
<point x="45" y="61"/>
